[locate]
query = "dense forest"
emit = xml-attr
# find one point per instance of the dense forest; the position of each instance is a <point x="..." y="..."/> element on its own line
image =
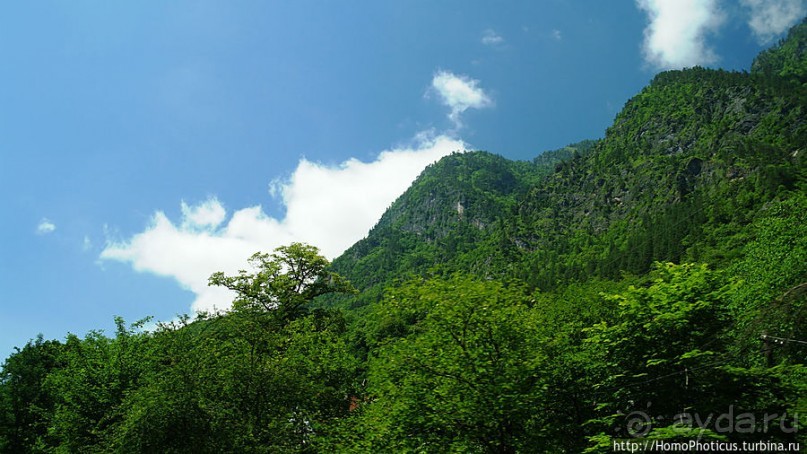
<point x="650" y="286"/>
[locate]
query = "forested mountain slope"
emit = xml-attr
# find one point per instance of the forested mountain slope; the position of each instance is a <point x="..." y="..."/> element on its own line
<point x="688" y="162"/>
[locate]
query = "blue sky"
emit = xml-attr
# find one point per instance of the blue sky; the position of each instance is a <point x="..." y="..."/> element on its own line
<point x="144" y="145"/>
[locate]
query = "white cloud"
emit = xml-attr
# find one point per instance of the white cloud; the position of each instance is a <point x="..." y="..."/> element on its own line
<point x="459" y="93"/>
<point x="676" y="35"/>
<point x="45" y="226"/>
<point x="207" y="214"/>
<point x="557" y="35"/>
<point x="770" y="18"/>
<point x="330" y="207"/>
<point x="491" y="38"/>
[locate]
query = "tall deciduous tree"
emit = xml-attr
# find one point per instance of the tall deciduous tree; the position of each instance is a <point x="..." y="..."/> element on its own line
<point x="284" y="281"/>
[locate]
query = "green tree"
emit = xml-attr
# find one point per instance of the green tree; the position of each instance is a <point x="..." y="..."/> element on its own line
<point x="268" y="376"/>
<point x="287" y="369"/>
<point x="26" y="406"/>
<point x="175" y="407"/>
<point x="665" y="356"/>
<point x="284" y="282"/>
<point x="773" y="271"/>
<point x="98" y="373"/>
<point x="458" y="369"/>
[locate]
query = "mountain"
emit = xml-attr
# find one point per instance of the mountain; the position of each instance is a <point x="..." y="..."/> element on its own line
<point x="687" y="165"/>
<point x="453" y="209"/>
<point x="787" y="59"/>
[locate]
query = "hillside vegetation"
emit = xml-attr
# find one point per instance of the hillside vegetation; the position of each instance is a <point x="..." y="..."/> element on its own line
<point x="648" y="286"/>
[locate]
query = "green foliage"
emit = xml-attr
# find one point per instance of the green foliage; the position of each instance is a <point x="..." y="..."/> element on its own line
<point x="457" y="368"/>
<point x="671" y="329"/>
<point x="284" y="282"/>
<point x="664" y="358"/>
<point x="170" y="410"/>
<point x="773" y="270"/>
<point x="96" y="374"/>
<point x="26" y="408"/>
<point x="788" y="59"/>
<point x="231" y="390"/>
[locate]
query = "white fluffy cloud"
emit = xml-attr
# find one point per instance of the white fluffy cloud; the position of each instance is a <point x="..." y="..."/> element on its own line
<point x="676" y="34"/>
<point x="459" y="93"/>
<point x="770" y="18"/>
<point x="329" y="207"/>
<point x="45" y="226"/>
<point x="491" y="38"/>
<point x="205" y="215"/>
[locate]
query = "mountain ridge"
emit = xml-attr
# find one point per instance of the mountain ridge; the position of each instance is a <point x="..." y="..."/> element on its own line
<point x="689" y="139"/>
